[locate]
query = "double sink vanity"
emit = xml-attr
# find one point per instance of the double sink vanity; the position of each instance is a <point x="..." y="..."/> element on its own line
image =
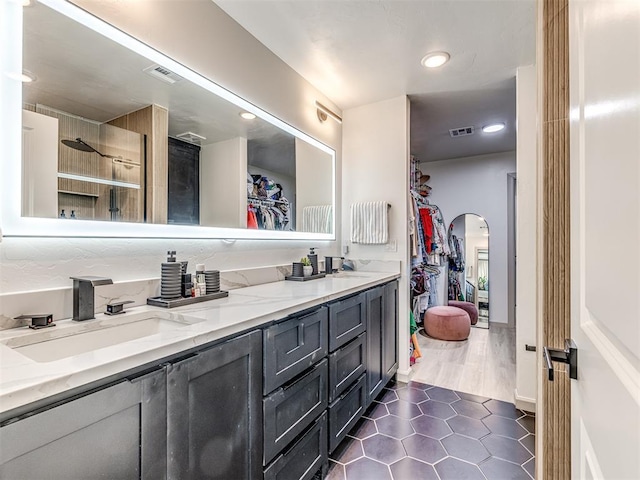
<point x="264" y="383"/>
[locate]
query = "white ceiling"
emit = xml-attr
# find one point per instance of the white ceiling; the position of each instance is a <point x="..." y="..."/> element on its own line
<point x="359" y="52"/>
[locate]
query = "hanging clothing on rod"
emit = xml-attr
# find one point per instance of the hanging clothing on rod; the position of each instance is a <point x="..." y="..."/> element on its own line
<point x="268" y="214"/>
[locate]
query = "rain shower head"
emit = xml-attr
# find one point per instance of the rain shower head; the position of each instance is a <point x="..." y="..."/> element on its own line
<point x="78" y="144"/>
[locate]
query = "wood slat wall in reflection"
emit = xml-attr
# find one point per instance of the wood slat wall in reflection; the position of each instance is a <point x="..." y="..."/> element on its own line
<point x="556" y="249"/>
<point x="129" y="201"/>
<point x="152" y="121"/>
<point x="74" y="161"/>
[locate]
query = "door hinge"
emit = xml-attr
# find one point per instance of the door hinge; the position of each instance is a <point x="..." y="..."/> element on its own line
<point x="569" y="356"/>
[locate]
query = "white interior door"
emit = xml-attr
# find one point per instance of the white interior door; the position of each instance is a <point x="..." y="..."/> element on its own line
<point x="604" y="43"/>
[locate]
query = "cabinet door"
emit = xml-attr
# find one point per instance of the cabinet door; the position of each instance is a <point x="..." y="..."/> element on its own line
<point x="390" y="331"/>
<point x="214" y="403"/>
<point x="291" y="409"/>
<point x="375" y="316"/>
<point x="293" y="346"/>
<point x="118" y="432"/>
<point x="347" y="320"/>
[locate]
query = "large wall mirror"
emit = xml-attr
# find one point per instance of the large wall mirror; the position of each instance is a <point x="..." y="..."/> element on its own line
<point x="469" y="263"/>
<point x="119" y="140"/>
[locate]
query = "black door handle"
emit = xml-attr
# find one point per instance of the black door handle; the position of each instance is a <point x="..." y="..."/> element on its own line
<point x="569" y="356"/>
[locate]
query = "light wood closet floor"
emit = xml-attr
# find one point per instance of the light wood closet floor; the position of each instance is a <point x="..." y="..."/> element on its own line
<point x="484" y="364"/>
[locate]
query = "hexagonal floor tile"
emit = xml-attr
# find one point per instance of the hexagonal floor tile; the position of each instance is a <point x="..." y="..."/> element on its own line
<point x="437" y="409"/>
<point x="408" y="468"/>
<point x="470" y="409"/>
<point x="504" y="409"/>
<point x="424" y="448"/>
<point x="367" y="468"/>
<point x="349" y="450"/>
<point x="506" y="449"/>
<point x="419" y="385"/>
<point x="443" y="395"/>
<point x="404" y="409"/>
<point x="412" y="395"/>
<point x="387" y="396"/>
<point x="496" y="469"/>
<point x="504" y="426"/>
<point x="383" y="449"/>
<point x="431" y="427"/>
<point x="529" y="442"/>
<point x="336" y="471"/>
<point x="528" y="423"/>
<point x="465" y="448"/>
<point x="364" y="428"/>
<point x="471" y="397"/>
<point x="453" y="469"/>
<point x="376" y="410"/>
<point x="470" y="427"/>
<point x="395" y="427"/>
<point x="530" y="467"/>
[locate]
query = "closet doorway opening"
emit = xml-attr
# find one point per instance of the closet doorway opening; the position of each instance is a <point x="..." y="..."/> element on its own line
<point x="469" y="264"/>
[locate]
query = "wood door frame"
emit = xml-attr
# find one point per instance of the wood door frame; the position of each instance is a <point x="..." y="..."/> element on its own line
<point x="553" y="420"/>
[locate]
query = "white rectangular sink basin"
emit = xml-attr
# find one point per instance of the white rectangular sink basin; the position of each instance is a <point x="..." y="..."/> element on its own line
<point x="75" y="338"/>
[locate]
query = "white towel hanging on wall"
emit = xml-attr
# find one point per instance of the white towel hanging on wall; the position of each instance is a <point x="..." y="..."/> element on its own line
<point x="317" y="219"/>
<point x="370" y="223"/>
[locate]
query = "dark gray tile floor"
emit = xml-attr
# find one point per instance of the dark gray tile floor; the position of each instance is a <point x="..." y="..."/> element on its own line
<point x="416" y="431"/>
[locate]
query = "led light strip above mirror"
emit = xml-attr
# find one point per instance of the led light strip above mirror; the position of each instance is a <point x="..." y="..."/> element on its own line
<point x="11" y="221"/>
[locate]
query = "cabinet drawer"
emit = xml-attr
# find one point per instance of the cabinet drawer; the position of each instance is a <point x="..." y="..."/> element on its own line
<point x="289" y="410"/>
<point x="346" y="320"/>
<point x="293" y="346"/>
<point x="345" y="365"/>
<point x="345" y="412"/>
<point x="304" y="458"/>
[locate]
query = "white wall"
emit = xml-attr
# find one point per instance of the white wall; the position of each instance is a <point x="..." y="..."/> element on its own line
<point x="478" y="185"/>
<point x="376" y="168"/>
<point x="314" y="177"/>
<point x="526" y="234"/>
<point x="200" y="35"/>
<point x="223" y="203"/>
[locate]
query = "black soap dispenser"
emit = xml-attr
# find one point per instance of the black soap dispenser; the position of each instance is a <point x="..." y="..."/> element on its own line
<point x="313" y="258"/>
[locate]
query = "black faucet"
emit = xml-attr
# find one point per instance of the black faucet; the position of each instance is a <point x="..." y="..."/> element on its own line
<point x="83" y="298"/>
<point x="328" y="264"/>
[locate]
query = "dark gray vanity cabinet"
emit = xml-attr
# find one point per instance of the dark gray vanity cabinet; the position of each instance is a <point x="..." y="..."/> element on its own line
<point x="382" y="328"/>
<point x="296" y="372"/>
<point x="118" y="432"/>
<point x="390" y="331"/>
<point x="375" y="342"/>
<point x="347" y="365"/>
<point x="214" y="404"/>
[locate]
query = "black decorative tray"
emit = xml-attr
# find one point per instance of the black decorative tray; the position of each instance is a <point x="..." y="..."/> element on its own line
<point x="181" y="302"/>
<point x="304" y="279"/>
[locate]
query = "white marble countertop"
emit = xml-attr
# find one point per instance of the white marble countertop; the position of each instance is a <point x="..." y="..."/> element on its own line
<point x="24" y="380"/>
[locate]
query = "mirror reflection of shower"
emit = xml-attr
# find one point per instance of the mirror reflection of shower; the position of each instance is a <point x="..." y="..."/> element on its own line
<point x="469" y="264"/>
<point x="117" y="187"/>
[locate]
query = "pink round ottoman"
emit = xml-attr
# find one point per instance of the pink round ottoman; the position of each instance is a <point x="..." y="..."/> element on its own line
<point x="447" y="323"/>
<point x="468" y="307"/>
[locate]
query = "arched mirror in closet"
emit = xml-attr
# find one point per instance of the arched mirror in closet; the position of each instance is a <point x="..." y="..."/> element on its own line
<point x="469" y="263"/>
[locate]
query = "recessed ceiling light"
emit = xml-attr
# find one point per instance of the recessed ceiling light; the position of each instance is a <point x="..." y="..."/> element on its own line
<point x="492" y="128"/>
<point x="25" y="77"/>
<point x="26" y="3"/>
<point x="247" y="115"/>
<point x="435" y="59"/>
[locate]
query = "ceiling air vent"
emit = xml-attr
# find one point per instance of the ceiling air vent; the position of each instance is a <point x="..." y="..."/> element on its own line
<point x="163" y="74"/>
<point x="191" y="137"/>
<point x="461" y="132"/>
